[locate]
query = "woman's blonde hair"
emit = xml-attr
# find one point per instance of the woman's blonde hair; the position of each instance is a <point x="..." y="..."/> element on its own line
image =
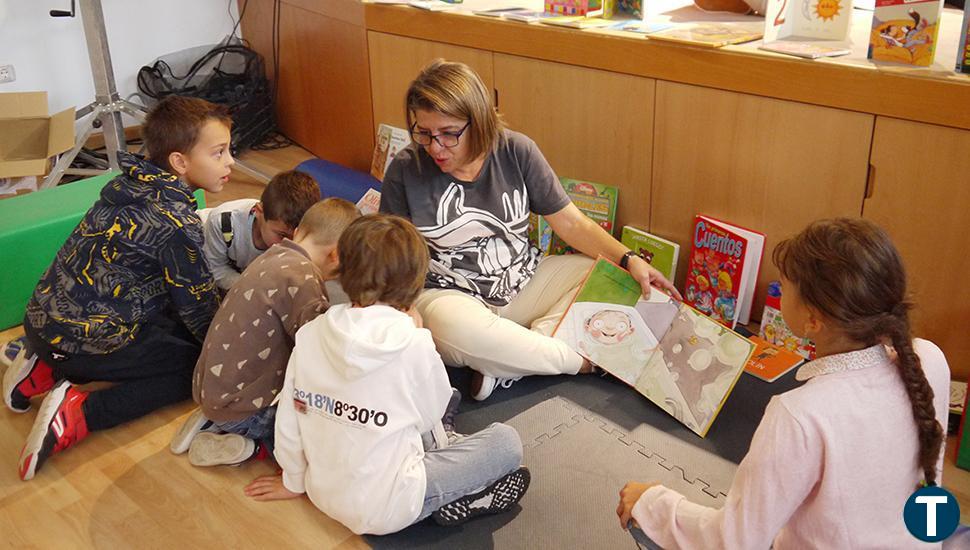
<point x="455" y="90"/>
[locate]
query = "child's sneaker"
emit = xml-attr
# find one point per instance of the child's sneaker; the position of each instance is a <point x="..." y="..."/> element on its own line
<point x="448" y="420"/>
<point x="209" y="449"/>
<point x="10" y="350"/>
<point x="195" y="424"/>
<point x="26" y="377"/>
<point x="497" y="497"/>
<point x="59" y="424"/>
<point x="483" y="385"/>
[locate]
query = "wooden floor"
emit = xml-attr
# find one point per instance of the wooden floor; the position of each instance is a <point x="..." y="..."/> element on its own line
<point x="122" y="488"/>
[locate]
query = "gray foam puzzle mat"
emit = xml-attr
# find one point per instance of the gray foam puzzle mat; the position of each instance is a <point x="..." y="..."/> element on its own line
<point x="583" y="438"/>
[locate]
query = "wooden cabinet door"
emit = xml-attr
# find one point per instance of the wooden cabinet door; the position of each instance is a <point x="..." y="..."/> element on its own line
<point x="765" y="164"/>
<point x="395" y="61"/>
<point x="589" y="124"/>
<point x="920" y="193"/>
<point x="322" y="102"/>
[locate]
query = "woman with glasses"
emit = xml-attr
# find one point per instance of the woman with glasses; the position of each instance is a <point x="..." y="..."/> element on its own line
<point x="469" y="184"/>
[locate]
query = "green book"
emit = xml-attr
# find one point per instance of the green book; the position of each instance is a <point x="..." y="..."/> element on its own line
<point x="658" y="252"/>
<point x="596" y="200"/>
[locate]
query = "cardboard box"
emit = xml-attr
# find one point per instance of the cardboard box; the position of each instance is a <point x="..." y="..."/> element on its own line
<point x="29" y="136"/>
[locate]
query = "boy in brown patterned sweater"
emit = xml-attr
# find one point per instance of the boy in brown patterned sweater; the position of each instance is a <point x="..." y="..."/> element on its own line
<point x="248" y="345"/>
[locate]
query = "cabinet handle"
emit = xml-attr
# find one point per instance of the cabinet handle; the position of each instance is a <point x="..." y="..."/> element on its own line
<point x="870" y="182"/>
<point x="495" y="93"/>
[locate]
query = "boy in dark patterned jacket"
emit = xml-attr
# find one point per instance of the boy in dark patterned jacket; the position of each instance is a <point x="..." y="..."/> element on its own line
<point x="129" y="296"/>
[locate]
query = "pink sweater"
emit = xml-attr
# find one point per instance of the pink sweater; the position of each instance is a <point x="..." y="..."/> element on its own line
<point x="830" y="466"/>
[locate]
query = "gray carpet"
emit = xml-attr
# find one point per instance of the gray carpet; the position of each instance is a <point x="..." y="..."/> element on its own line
<point x="584" y="437"/>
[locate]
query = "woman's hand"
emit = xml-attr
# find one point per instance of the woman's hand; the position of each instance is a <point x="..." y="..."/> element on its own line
<point x="629" y="495"/>
<point x="646" y="275"/>
<point x="269" y="488"/>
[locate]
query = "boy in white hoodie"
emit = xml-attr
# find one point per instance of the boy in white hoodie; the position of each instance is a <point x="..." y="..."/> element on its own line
<point x="363" y="384"/>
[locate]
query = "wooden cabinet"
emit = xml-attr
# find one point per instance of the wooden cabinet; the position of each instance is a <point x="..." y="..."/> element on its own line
<point x="322" y="79"/>
<point x="589" y="124"/>
<point x="920" y="193"/>
<point x="766" y="164"/>
<point x="395" y="61"/>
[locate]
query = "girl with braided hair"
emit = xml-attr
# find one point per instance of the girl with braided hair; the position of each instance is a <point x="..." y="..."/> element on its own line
<point x="832" y="462"/>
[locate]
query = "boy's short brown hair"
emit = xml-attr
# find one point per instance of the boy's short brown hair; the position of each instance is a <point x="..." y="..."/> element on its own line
<point x="326" y="220"/>
<point x="288" y="196"/>
<point x="174" y="124"/>
<point x="383" y="259"/>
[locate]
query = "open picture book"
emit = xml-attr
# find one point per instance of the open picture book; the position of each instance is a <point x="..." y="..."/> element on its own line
<point x="675" y="356"/>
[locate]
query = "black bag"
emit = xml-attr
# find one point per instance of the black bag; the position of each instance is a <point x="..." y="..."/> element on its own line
<point x="231" y="75"/>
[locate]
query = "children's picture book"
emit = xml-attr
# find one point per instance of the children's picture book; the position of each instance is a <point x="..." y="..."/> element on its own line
<point x="370" y="203"/>
<point x="963" y="438"/>
<point x="528" y="16"/>
<point x="632" y="8"/>
<point x="958" y="396"/>
<point x="904" y="31"/>
<point x="723" y="269"/>
<point x="582" y="8"/>
<point x="578" y="22"/>
<point x="657" y="251"/>
<point x="963" y="54"/>
<point x="770" y="362"/>
<point x="774" y="330"/>
<point x="711" y="35"/>
<point x="808" y="50"/>
<point x="390" y="141"/>
<point x="596" y="200"/>
<point x="641" y="27"/>
<point x="807" y="20"/>
<point x="678" y="358"/>
<point x="433" y="5"/>
<point x="497" y="12"/>
<point x="540" y="233"/>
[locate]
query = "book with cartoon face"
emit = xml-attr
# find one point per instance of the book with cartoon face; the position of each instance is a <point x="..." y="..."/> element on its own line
<point x="680" y="359"/>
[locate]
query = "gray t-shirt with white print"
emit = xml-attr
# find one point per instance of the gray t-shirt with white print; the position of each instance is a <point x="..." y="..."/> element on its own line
<point x="477" y="232"/>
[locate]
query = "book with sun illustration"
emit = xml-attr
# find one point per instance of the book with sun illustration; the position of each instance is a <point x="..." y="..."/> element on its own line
<point x="807" y="20"/>
<point x="678" y="358"/>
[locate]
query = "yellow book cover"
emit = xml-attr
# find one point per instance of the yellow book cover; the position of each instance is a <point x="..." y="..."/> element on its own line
<point x="712" y="35"/>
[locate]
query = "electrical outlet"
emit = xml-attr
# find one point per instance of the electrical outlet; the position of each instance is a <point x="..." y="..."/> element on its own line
<point x="7" y="74"/>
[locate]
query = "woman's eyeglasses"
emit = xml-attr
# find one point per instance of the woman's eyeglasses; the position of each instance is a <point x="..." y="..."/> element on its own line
<point x="444" y="139"/>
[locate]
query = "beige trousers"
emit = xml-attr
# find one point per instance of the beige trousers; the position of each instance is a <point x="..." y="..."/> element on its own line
<point x="513" y="340"/>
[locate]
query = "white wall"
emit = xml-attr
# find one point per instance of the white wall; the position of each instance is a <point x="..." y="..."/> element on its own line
<point x="50" y="53"/>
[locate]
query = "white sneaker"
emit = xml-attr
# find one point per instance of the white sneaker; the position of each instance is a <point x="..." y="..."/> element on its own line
<point x="483" y="385"/>
<point x="195" y="424"/>
<point x="209" y="449"/>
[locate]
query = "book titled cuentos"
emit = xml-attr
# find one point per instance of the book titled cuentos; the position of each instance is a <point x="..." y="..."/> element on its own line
<point x="722" y="270"/>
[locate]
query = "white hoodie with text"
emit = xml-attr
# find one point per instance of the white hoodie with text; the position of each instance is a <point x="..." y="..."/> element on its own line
<point x="361" y="387"/>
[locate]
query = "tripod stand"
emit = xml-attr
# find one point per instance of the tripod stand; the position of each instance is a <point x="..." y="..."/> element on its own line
<point x="105" y="111"/>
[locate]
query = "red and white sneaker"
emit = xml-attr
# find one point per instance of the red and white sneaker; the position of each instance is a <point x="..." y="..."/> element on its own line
<point x="26" y="377"/>
<point x="59" y="425"/>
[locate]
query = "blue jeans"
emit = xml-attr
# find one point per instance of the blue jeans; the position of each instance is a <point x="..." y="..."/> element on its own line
<point x="641" y="538"/>
<point x="258" y="427"/>
<point x="469" y="464"/>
